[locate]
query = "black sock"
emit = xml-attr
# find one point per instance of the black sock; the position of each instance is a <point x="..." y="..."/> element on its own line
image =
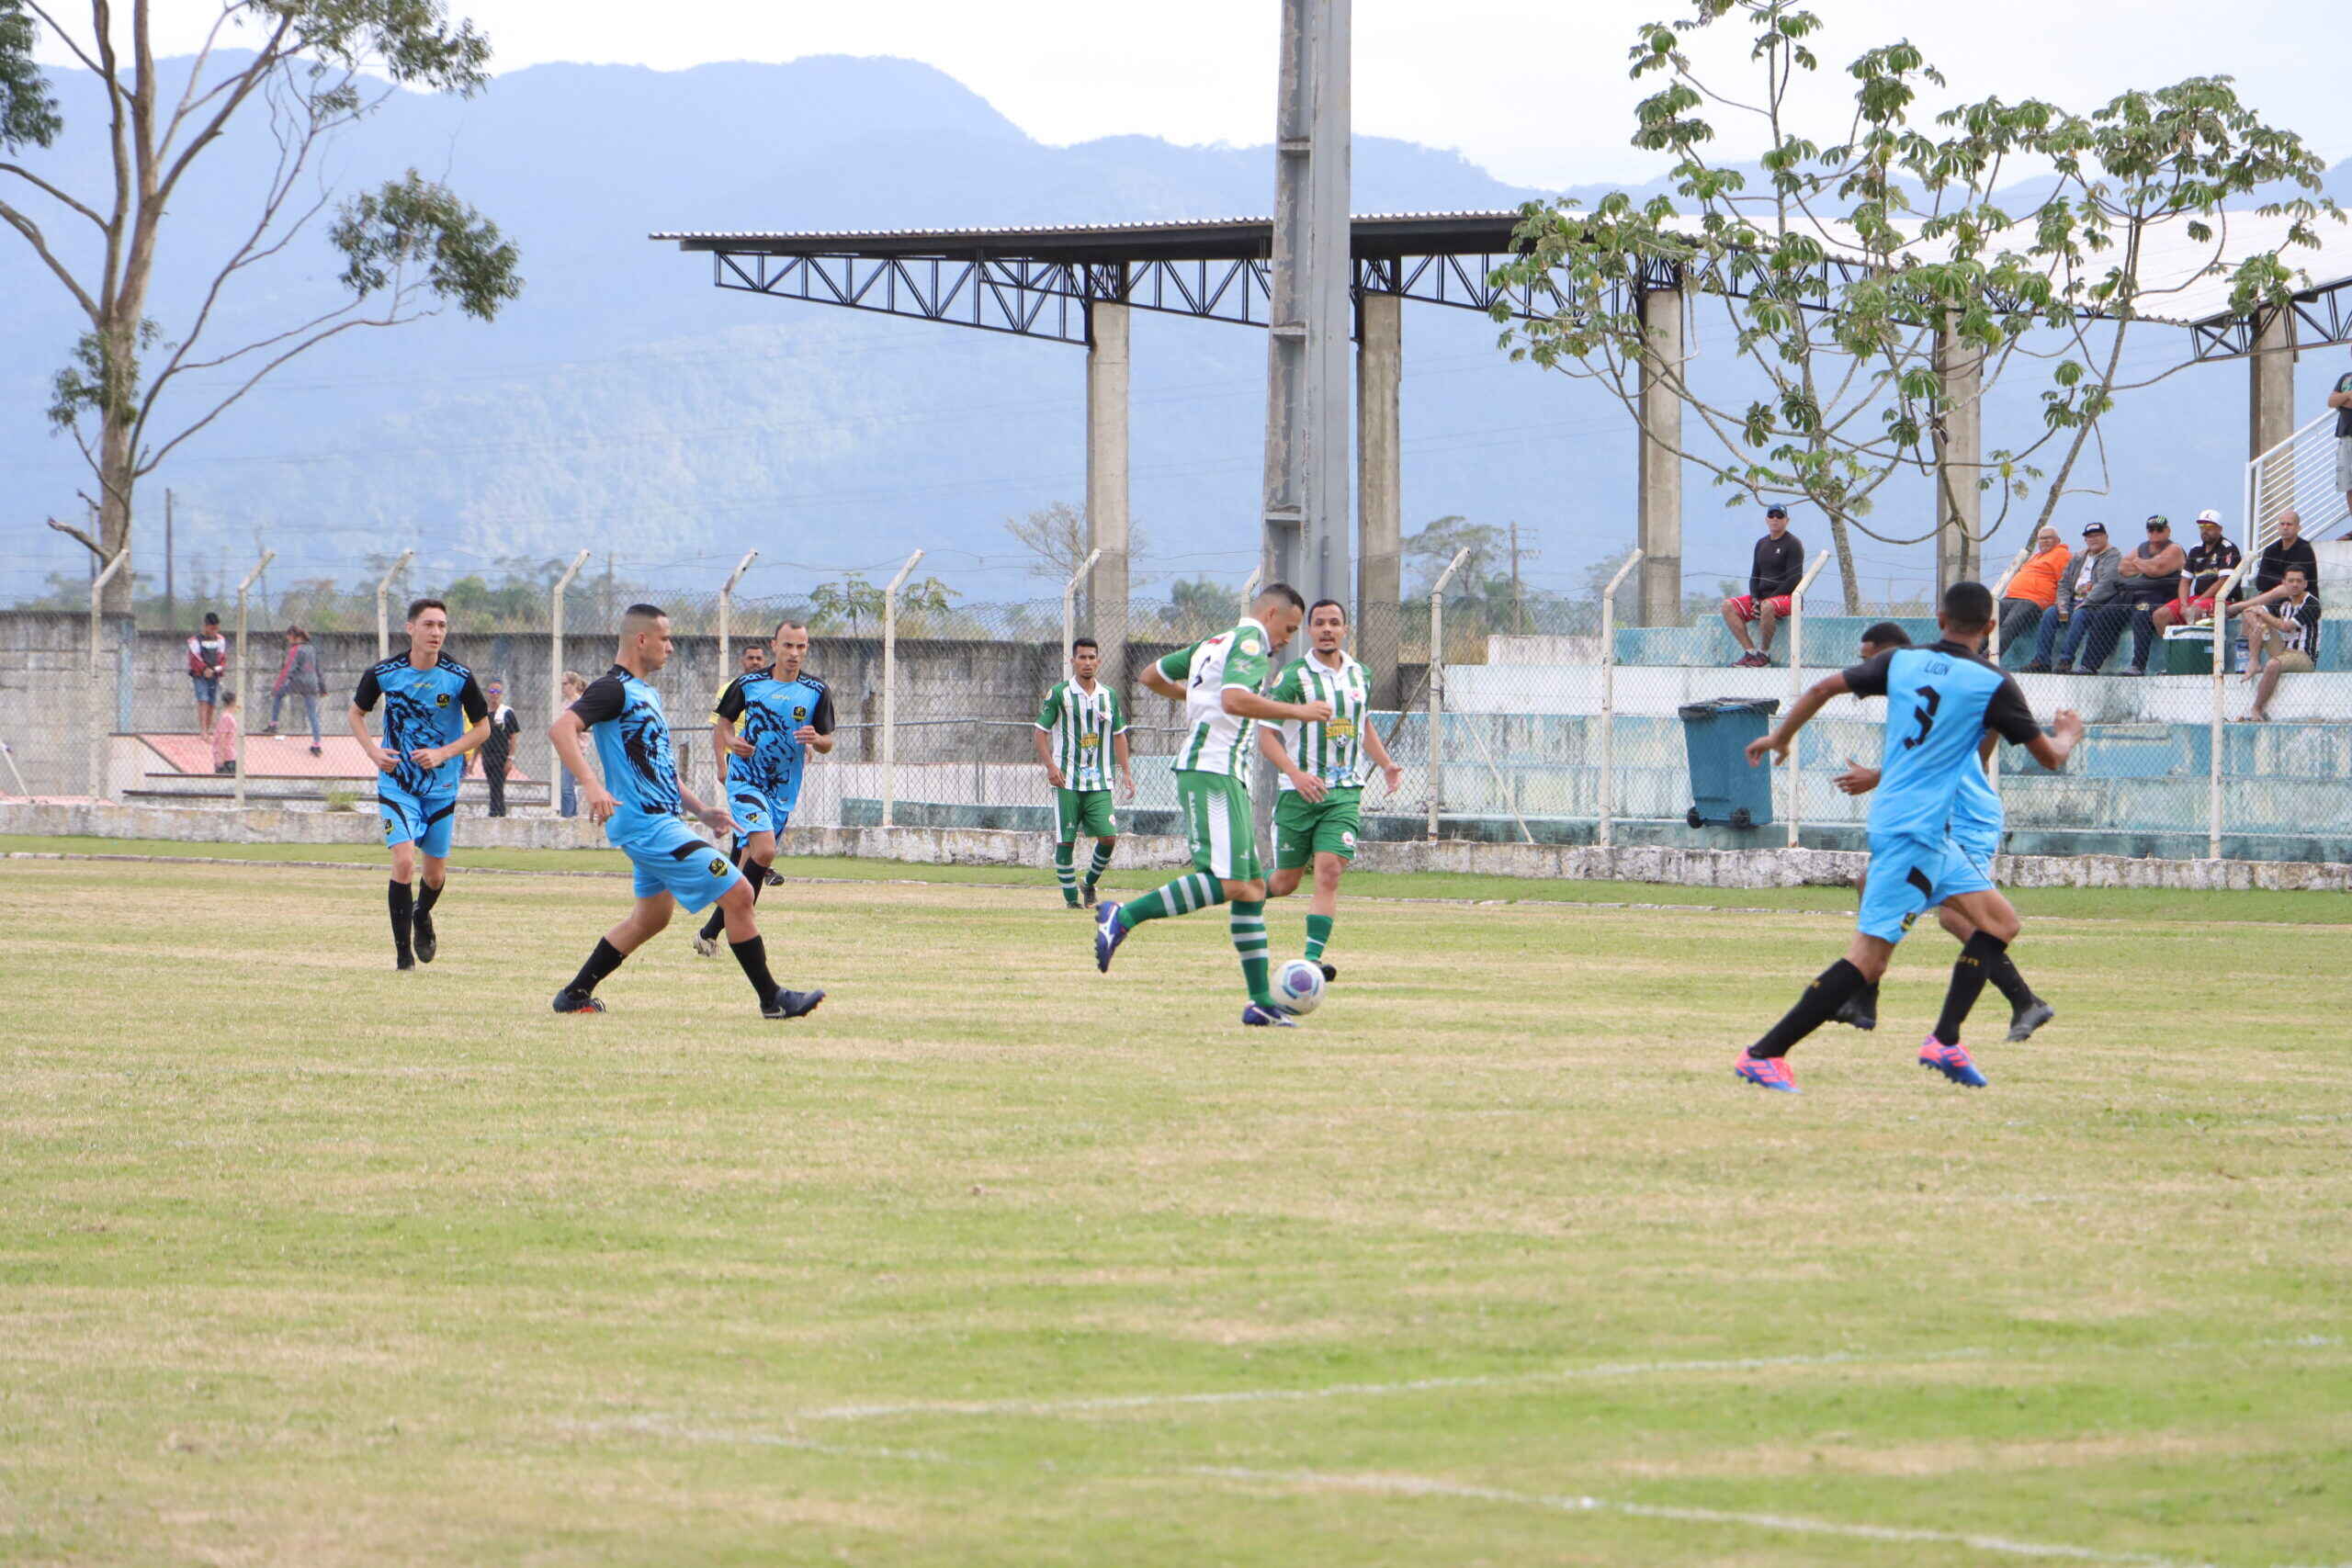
<point x="752" y="953"/>
<point x="402" y="901"/>
<point x="2010" y="984"/>
<point x="1969" y="973"/>
<point x="1817" y="1006"/>
<point x="428" y="895"/>
<point x="601" y="963"/>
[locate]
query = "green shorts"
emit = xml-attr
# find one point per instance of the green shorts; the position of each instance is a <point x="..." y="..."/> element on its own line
<point x="1084" y="812"/>
<point x="1216" y="825"/>
<point x="1305" y="829"/>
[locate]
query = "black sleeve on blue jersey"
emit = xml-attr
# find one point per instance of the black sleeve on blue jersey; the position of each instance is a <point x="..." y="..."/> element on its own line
<point x="821" y="720"/>
<point x="602" y="702"/>
<point x="2009" y="715"/>
<point x="730" y="701"/>
<point x="476" y="706"/>
<point x="369" y="693"/>
<point x="1868" y="679"/>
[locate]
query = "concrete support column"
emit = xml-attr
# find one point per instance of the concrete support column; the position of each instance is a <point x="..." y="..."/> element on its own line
<point x="2270" y="420"/>
<point x="1659" y="486"/>
<point x="1380" y="532"/>
<point x="1960" y="460"/>
<point x="1106" y="483"/>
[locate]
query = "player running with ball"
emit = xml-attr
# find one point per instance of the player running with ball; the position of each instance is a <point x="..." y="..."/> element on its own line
<point x="1217" y="681"/>
<point x="1319" y="810"/>
<point x="1939" y="701"/>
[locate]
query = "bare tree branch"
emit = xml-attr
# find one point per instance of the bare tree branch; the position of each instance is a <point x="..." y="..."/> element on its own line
<point x="39" y="242"/>
<point x="53" y="193"/>
<point x="80" y="539"/>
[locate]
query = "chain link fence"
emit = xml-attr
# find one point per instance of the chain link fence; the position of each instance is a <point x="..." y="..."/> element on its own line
<point x="1547" y="720"/>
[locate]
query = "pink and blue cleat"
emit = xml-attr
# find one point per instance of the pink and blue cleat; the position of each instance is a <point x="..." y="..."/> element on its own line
<point x="1768" y="1072"/>
<point x="1953" y="1061"/>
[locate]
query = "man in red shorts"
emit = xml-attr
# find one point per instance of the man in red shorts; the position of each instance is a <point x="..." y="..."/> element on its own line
<point x="1778" y="564"/>
<point x="2212" y="560"/>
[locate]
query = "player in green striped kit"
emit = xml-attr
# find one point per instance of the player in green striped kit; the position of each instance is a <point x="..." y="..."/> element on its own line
<point x="1082" y="730"/>
<point x="1320" y="810"/>
<point x="1217" y="679"/>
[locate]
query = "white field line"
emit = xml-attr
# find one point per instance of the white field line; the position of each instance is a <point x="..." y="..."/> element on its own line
<point x="1429" y="1486"/>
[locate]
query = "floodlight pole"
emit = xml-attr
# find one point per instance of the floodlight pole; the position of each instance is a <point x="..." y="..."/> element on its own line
<point x="1070" y="612"/>
<point x="890" y="689"/>
<point x="1796" y="677"/>
<point x="1436" y="683"/>
<point x="244" y="668"/>
<point x="383" y="615"/>
<point x="97" y="703"/>
<point x="555" y="663"/>
<point x="1609" y="700"/>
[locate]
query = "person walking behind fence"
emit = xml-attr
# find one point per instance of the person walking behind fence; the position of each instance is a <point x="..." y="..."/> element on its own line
<point x="498" y="749"/>
<point x="574" y="682"/>
<point x="2033" y="588"/>
<point x="208" y="661"/>
<point x="224" y="734"/>
<point x="298" y="678"/>
<point x="1081" y="736"/>
<point x="1773" y="576"/>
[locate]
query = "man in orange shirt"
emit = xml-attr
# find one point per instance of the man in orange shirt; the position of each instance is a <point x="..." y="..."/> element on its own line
<point x="2033" y="588"/>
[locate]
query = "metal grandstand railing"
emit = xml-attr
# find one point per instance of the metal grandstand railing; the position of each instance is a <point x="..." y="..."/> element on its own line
<point x="2298" y="474"/>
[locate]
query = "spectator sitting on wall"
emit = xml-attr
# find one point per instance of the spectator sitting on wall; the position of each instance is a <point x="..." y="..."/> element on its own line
<point x="2289" y="550"/>
<point x="2213" y="559"/>
<point x="298" y="678"/>
<point x="224" y="734"/>
<point x="2033" y="586"/>
<point x="2151" y="577"/>
<point x="2288" y="628"/>
<point x="1771" y="578"/>
<point x="208" y="661"/>
<point x="2090" y="582"/>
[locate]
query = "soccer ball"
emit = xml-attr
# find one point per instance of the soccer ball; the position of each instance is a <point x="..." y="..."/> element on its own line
<point x="1298" y="985"/>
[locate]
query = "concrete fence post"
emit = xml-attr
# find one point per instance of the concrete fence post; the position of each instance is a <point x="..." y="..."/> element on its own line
<point x="383" y="613"/>
<point x="97" y="727"/>
<point x="2216" y="742"/>
<point x="1796" y="687"/>
<point x="1070" y="614"/>
<point x="1437" y="685"/>
<point x="1608" y="805"/>
<point x="245" y="667"/>
<point x="555" y="670"/>
<point x="890" y="689"/>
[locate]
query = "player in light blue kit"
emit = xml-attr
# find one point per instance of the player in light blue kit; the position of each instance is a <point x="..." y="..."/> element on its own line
<point x="637" y="800"/>
<point x="1939" y="701"/>
<point x="762" y="728"/>
<point x="1978" y="823"/>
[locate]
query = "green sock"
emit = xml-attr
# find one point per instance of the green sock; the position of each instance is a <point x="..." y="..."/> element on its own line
<point x="1318" y="932"/>
<point x="1062" y="871"/>
<point x="1194" y="890"/>
<point x="1248" y="927"/>
<point x="1102" y="863"/>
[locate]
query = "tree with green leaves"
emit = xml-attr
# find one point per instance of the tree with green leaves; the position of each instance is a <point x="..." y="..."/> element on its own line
<point x="133" y="389"/>
<point x="1868" y="263"/>
<point x="855" y="604"/>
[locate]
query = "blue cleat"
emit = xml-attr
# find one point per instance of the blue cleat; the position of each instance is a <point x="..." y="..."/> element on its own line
<point x="1257" y="1017"/>
<point x="1767" y="1072"/>
<point x="1951" y="1061"/>
<point x="1108" y="934"/>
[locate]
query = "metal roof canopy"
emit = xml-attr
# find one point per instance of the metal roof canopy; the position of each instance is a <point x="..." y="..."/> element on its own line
<point x="1037" y="281"/>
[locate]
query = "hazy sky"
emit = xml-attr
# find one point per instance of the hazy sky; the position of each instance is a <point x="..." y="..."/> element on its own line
<point x="1536" y="92"/>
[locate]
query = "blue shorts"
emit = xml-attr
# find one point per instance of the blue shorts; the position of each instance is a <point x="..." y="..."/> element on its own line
<point x="1909" y="876"/>
<point x="756" y="810"/>
<point x="427" y="821"/>
<point x="672" y="858"/>
<point x="208" y="687"/>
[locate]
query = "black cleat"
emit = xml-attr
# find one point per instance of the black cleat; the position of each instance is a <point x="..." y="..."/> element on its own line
<point x="1331" y="971"/>
<point x="2028" y="1018"/>
<point x="775" y="877"/>
<point x="427" y="943"/>
<point x="1086" y="895"/>
<point x="570" y="1000"/>
<point x="791" y="1004"/>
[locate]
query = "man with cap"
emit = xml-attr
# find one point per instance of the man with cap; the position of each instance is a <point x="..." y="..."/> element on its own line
<point x="2091" y="581"/>
<point x="1772" y="577"/>
<point x="2213" y="559"/>
<point x="2150" y="576"/>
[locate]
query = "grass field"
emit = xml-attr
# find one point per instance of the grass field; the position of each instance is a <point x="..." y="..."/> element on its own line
<point x="999" y="1262"/>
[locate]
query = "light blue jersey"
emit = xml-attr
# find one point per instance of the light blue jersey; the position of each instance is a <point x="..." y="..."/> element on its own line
<point x="1977" y="820"/>
<point x="1939" y="701"/>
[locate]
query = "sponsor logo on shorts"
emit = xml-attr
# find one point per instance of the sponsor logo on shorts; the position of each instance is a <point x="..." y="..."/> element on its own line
<point x="718" y="865"/>
<point x="1348" y="840"/>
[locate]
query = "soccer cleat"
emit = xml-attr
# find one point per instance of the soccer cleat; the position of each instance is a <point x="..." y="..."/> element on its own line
<point x="2028" y="1018"/>
<point x="1086" y="896"/>
<point x="570" y="1000"/>
<point x="1951" y="1061"/>
<point x="705" y="946"/>
<point x="1257" y="1017"/>
<point x="1331" y="971"/>
<point x="1767" y="1072"/>
<point x="425" y="942"/>
<point x="775" y="877"/>
<point x="791" y="1004"/>
<point x="1108" y="934"/>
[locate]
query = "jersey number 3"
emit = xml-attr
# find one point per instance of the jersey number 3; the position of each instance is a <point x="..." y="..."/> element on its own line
<point x="1925" y="714"/>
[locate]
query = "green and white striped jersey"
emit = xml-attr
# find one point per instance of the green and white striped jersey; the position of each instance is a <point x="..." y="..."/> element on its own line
<point x="1332" y="751"/>
<point x="1219" y="742"/>
<point x="1078" y="725"/>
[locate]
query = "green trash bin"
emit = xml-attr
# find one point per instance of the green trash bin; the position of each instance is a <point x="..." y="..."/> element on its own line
<point x="1724" y="790"/>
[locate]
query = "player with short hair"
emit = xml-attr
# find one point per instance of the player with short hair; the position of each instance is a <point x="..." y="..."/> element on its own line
<point x="1939" y="701"/>
<point x="1978" y="823"/>
<point x="433" y="713"/>
<point x="1319" y="810"/>
<point x="1082" y="738"/>
<point x="1217" y="679"/>
<point x="763" y="727"/>
<point x="674" y="865"/>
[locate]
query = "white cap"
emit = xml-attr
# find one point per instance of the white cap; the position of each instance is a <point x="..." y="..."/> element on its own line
<point x="2209" y="515"/>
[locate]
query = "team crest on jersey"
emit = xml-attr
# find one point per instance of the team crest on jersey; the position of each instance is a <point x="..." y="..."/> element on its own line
<point x="799" y="713"/>
<point x="718" y="865"/>
<point x="440" y="699"/>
